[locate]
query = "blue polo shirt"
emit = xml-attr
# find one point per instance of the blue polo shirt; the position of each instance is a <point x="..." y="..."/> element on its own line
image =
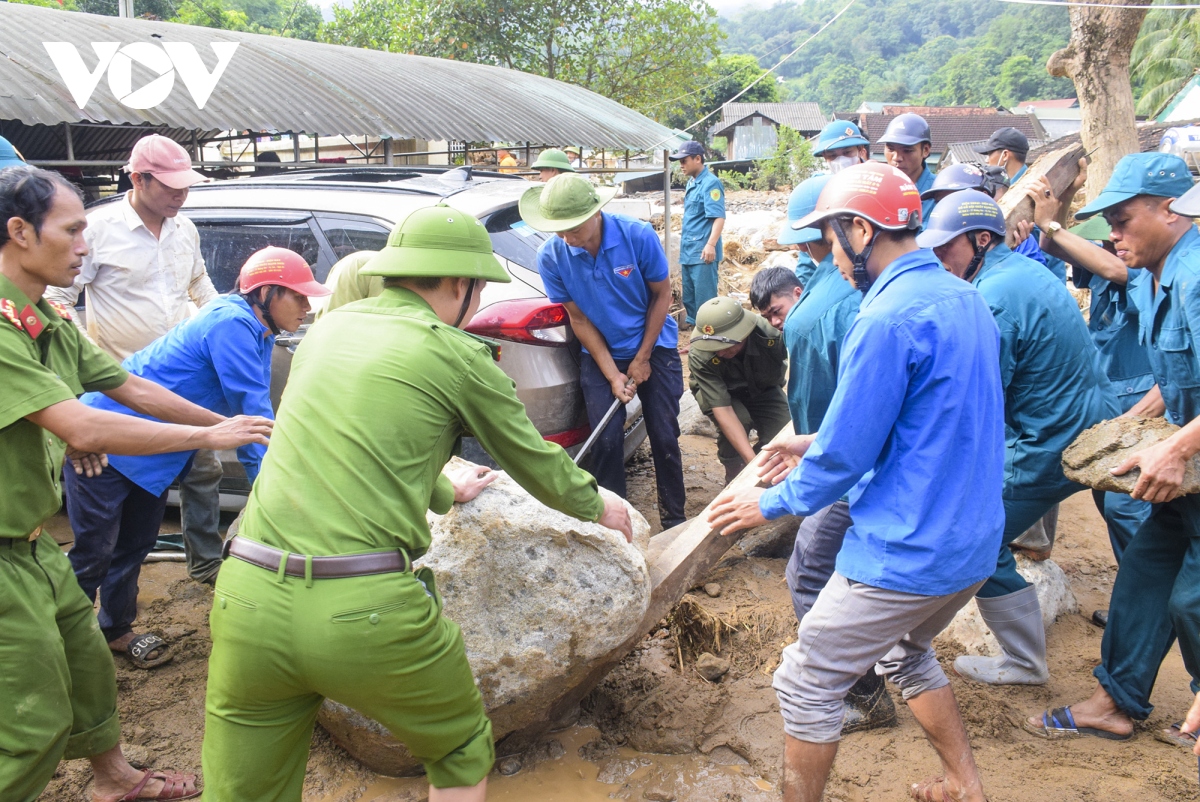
<point x="813" y="332"/>
<point x="915" y="433"/>
<point x="703" y="202"/>
<point x="611" y="288"/>
<point x="1054" y="384"/>
<point x="805" y="267"/>
<point x="1168" y="325"/>
<point x="924" y="182"/>
<point x="1113" y="324"/>
<point x="220" y="360"/>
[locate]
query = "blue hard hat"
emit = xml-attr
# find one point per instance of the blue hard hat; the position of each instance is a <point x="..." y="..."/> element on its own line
<point x="956" y="177"/>
<point x="803" y="201"/>
<point x="962" y="211"/>
<point x="907" y="129"/>
<point x="839" y="134"/>
<point x="1160" y="174"/>
<point x="8" y="155"/>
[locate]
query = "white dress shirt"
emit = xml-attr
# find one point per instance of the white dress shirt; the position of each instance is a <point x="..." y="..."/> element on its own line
<point x="138" y="286"/>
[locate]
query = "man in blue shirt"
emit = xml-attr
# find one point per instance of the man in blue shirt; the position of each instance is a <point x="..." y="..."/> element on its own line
<point x="841" y="144"/>
<point x="801" y="202"/>
<point x="219" y="360"/>
<point x="1156" y="595"/>
<point x="611" y="274"/>
<point x="1054" y="387"/>
<point x="918" y="387"/>
<point x="703" y="221"/>
<point x="906" y="145"/>
<point x="814" y="324"/>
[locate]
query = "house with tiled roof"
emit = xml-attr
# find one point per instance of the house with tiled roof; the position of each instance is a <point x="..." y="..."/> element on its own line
<point x="751" y="129"/>
<point x="950" y="125"/>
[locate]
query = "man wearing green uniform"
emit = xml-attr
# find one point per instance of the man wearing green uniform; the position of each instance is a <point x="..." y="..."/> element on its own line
<point x="60" y="693"/>
<point x="348" y="283"/>
<point x="737" y="365"/>
<point x="321" y="600"/>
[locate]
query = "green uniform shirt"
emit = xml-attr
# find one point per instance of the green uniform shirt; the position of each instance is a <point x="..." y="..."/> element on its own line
<point x="60" y="364"/>
<point x="761" y="366"/>
<point x="379" y="394"/>
<point x="348" y="284"/>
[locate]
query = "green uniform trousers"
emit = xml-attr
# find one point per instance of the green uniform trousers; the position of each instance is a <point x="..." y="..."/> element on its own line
<point x="58" y="686"/>
<point x="378" y="644"/>
<point x="767" y="413"/>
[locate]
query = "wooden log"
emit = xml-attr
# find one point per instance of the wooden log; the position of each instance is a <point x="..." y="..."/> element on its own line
<point x="677" y="558"/>
<point x="1060" y="167"/>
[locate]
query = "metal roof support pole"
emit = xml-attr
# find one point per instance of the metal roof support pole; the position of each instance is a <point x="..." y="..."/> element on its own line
<point x="295" y="146"/>
<point x="316" y="148"/>
<point x="527" y="162"/>
<point x="667" y="204"/>
<point x="387" y="152"/>
<point x="197" y="152"/>
<point x="70" y="143"/>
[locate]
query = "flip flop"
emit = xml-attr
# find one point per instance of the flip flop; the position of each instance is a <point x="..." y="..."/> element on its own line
<point x="175" y="786"/>
<point x="1058" y="722"/>
<point x="1175" y="736"/>
<point x="148" y="651"/>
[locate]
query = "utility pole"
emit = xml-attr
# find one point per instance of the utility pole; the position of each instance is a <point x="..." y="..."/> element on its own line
<point x="125" y="8"/>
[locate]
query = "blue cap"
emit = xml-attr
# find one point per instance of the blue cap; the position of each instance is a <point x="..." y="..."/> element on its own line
<point x="8" y="155"/>
<point x="803" y="201"/>
<point x="689" y="148"/>
<point x="958" y="213"/>
<point x="907" y="129"/>
<point x="1159" y="174"/>
<point x="839" y="134"/>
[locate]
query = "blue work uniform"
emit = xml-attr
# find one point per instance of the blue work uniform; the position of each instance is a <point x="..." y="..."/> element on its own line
<point x="1054" y="388"/>
<point x="703" y="202"/>
<point x="918" y="388"/>
<point x="813" y="332"/>
<point x="220" y="360"/>
<point x="805" y="266"/>
<point x="612" y="290"/>
<point x="1156" y="595"/>
<point x="925" y="182"/>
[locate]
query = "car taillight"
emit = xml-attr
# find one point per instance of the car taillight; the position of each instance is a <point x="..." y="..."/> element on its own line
<point x="534" y="321"/>
<point x="571" y="437"/>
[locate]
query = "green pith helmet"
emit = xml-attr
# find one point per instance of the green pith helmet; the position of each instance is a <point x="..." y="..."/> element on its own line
<point x="1094" y="228"/>
<point x="555" y="158"/>
<point x="721" y="323"/>
<point x="438" y="241"/>
<point x="563" y="202"/>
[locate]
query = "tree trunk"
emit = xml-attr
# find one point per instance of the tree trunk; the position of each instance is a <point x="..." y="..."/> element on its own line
<point x="1097" y="61"/>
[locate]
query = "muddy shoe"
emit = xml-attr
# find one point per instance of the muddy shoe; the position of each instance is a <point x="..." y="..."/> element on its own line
<point x="868" y="706"/>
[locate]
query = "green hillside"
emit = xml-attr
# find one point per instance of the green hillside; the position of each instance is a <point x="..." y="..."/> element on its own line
<point x="933" y="52"/>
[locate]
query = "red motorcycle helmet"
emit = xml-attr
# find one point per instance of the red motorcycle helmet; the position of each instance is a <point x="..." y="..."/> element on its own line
<point x="279" y="267"/>
<point x="873" y="191"/>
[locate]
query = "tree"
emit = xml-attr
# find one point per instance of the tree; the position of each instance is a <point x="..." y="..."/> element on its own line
<point x="721" y="80"/>
<point x="1164" y="58"/>
<point x="1097" y="60"/>
<point x="637" y="52"/>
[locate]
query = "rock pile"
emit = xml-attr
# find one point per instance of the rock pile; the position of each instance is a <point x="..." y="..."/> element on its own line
<point x="539" y="596"/>
<point x="1093" y="455"/>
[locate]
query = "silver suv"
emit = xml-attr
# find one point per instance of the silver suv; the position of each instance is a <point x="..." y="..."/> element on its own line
<point x="325" y="214"/>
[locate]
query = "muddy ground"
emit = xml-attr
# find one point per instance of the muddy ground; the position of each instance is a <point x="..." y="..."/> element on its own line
<point x="724" y="739"/>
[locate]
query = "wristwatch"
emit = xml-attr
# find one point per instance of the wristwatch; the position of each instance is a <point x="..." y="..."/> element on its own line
<point x="1052" y="228"/>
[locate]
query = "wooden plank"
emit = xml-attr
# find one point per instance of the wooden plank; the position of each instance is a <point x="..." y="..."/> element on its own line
<point x="1060" y="167"/>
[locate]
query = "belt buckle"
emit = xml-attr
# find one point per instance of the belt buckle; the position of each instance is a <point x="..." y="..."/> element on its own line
<point x="35" y="534"/>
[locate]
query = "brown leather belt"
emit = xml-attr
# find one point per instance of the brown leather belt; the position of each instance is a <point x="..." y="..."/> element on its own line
<point x="375" y="562"/>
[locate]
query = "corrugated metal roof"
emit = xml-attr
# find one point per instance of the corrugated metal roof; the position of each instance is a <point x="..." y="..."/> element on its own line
<point x="278" y="84"/>
<point x="805" y="117"/>
<point x="955" y="126"/>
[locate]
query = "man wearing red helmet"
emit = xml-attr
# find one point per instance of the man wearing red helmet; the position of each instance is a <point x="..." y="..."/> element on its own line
<point x="918" y="389"/>
<point x="219" y="360"/>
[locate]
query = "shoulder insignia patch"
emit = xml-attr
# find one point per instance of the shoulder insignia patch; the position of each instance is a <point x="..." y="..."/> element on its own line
<point x="63" y="310"/>
<point x="9" y="310"/>
<point x="715" y="194"/>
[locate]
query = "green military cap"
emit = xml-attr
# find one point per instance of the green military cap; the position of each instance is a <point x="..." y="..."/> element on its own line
<point x="563" y="202"/>
<point x="555" y="158"/>
<point x="720" y="323"/>
<point x="438" y="241"/>
<point x="1095" y="229"/>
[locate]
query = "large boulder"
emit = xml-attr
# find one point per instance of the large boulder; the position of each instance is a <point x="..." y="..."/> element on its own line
<point x="1093" y="455"/>
<point x="968" y="632"/>
<point x="692" y="420"/>
<point x="540" y="597"/>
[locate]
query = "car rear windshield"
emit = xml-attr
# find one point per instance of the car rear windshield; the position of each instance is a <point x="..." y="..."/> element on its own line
<point x="226" y="245"/>
<point x="513" y="239"/>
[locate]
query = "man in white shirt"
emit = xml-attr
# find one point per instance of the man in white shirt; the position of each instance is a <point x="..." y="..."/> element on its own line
<point x="142" y="273"/>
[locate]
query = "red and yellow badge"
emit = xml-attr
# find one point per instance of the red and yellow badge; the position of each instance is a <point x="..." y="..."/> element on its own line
<point x="63" y="310"/>
<point x="9" y="310"/>
<point x="707" y="329"/>
<point x="33" y="324"/>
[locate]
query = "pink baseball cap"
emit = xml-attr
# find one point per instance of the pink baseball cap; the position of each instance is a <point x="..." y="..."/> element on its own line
<point x="165" y="159"/>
